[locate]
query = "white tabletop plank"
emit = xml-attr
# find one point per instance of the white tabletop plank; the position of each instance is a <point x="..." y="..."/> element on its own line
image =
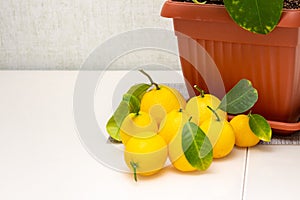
<point x="273" y="172"/>
<point x="42" y="157"/>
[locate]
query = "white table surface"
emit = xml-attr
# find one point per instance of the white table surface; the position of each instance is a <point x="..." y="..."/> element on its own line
<point x="42" y="155"/>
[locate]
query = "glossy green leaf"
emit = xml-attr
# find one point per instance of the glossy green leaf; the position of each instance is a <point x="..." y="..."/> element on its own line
<point x="133" y="102"/>
<point x="114" y="123"/>
<point x="260" y="127"/>
<point x="196" y="146"/>
<point x="138" y="90"/>
<point x="258" y="16"/>
<point x="240" y="98"/>
<point x="130" y="104"/>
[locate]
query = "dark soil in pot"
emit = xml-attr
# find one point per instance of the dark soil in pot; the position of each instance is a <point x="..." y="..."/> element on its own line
<point x="288" y="4"/>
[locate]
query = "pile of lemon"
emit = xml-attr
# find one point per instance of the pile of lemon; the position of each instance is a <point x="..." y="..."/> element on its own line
<point x="152" y="129"/>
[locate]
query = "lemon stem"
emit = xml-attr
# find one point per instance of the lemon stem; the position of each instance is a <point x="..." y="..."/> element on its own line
<point x="180" y="110"/>
<point x="190" y="118"/>
<point x="199" y="90"/>
<point x="215" y="113"/>
<point x="150" y="79"/>
<point x="250" y="112"/>
<point x="134" y="166"/>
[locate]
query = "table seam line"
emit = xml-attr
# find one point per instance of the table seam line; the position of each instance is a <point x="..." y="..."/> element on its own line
<point x="245" y="174"/>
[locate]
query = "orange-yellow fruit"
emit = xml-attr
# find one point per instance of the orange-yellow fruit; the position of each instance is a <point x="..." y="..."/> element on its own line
<point x="244" y="137"/>
<point x="148" y="155"/>
<point x="172" y="131"/>
<point x="159" y="102"/>
<point x="197" y="108"/>
<point x="172" y="123"/>
<point x="221" y="136"/>
<point x="137" y="124"/>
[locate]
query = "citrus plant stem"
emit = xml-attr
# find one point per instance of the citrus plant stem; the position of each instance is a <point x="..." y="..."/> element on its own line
<point x="134" y="166"/>
<point x="199" y="90"/>
<point x="150" y="79"/>
<point x="215" y="113"/>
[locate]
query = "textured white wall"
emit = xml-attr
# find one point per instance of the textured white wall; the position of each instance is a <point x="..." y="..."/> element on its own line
<point x="60" y="34"/>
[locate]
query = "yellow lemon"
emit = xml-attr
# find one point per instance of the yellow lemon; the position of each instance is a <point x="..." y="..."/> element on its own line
<point x="172" y="123"/>
<point x="146" y="156"/>
<point x="221" y="136"/>
<point x="161" y="100"/>
<point x="244" y="137"/>
<point x="197" y="108"/>
<point x="136" y="124"/>
<point x="171" y="130"/>
<point x="176" y="155"/>
<point x="182" y="164"/>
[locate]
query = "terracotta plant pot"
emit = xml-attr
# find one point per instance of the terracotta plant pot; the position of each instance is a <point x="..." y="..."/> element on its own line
<point x="271" y="62"/>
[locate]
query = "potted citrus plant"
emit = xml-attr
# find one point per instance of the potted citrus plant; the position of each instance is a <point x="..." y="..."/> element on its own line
<point x="257" y="40"/>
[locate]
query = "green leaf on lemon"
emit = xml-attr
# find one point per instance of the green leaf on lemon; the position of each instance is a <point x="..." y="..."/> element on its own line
<point x="258" y="16"/>
<point x="138" y="90"/>
<point x="240" y="98"/>
<point x="260" y="127"/>
<point x="114" y="123"/>
<point x="133" y="102"/>
<point x="196" y="146"/>
<point x="130" y="104"/>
